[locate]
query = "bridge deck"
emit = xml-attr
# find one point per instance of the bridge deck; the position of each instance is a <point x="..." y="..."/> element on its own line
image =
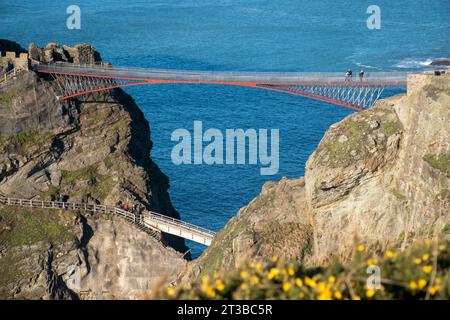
<point x="230" y="77"/>
<point x="331" y="87"/>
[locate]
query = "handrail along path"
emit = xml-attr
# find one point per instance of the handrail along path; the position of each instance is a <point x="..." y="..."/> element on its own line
<point x="149" y="220"/>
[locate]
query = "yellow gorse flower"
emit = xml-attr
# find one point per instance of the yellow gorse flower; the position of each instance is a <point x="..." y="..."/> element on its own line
<point x="391" y="254"/>
<point x="286" y="286"/>
<point x="291" y="271"/>
<point x="432" y="290"/>
<point x="273" y="273"/>
<point x="210" y="292"/>
<point x="219" y="285"/>
<point x="361" y="248"/>
<point x="372" y="262"/>
<point x="244" y="275"/>
<point x="326" y="295"/>
<point x="310" y="282"/>
<point x="370" y="293"/>
<point x="254" y="280"/>
<point x="413" y="285"/>
<point x="421" y="283"/>
<point x="427" y="269"/>
<point x="298" y="282"/>
<point x="170" y="292"/>
<point x="206" y="288"/>
<point x="321" y="287"/>
<point x="417" y="261"/>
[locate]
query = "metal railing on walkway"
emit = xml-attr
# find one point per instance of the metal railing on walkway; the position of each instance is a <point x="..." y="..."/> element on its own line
<point x="150" y="220"/>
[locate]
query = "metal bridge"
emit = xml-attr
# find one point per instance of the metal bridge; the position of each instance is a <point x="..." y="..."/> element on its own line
<point x="148" y="221"/>
<point x="359" y="94"/>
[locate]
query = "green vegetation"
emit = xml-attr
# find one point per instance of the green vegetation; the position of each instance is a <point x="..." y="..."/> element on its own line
<point x="108" y="162"/>
<point x="212" y="261"/>
<point x="94" y="116"/>
<point x="24" y="140"/>
<point x="22" y="227"/>
<point x="50" y="193"/>
<point x="99" y="185"/>
<point x="389" y="128"/>
<point x="440" y="162"/>
<point x="444" y="195"/>
<point x="272" y="239"/>
<point x="356" y="133"/>
<point x="26" y="227"/>
<point x="352" y="135"/>
<point x="7" y="97"/>
<point x="10" y="268"/>
<point x="421" y="272"/>
<point x="261" y="201"/>
<point x="446" y="229"/>
<point x="121" y="124"/>
<point x="72" y="177"/>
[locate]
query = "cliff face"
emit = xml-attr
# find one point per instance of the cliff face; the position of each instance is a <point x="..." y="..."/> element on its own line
<point x="70" y="255"/>
<point x="93" y="150"/>
<point x="378" y="177"/>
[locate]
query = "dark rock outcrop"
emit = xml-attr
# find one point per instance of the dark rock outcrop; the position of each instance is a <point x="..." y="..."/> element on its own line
<point x="444" y="62"/>
<point x="8" y="45"/>
<point x="53" y="52"/>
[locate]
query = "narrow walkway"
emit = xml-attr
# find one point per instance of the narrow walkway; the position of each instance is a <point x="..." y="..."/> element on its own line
<point x="331" y="87"/>
<point x="11" y="74"/>
<point x="148" y="221"/>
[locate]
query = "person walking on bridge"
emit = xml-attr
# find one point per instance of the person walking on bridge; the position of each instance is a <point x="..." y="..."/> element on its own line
<point x="348" y="75"/>
<point x="361" y="76"/>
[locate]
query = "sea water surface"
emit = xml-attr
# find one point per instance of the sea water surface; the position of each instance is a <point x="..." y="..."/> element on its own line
<point x="250" y="35"/>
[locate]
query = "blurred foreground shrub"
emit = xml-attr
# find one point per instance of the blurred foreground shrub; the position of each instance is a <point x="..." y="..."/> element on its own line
<point x="421" y="272"/>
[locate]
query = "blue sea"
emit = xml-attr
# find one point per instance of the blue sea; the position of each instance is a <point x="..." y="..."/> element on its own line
<point x="250" y="35"/>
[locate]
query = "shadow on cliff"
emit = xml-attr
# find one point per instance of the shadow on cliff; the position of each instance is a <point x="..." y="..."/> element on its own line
<point x="139" y="149"/>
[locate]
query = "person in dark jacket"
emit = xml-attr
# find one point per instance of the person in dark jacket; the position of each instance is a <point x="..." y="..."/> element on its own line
<point x="361" y="76"/>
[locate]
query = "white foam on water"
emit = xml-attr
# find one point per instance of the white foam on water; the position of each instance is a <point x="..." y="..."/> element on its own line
<point x="366" y="66"/>
<point x="411" y="63"/>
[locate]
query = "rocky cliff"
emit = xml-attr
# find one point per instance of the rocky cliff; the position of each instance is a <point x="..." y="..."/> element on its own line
<point x="379" y="177"/>
<point x="93" y="150"/>
<point x="441" y="62"/>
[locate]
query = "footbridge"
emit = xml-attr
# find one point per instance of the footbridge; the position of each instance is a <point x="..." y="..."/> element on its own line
<point x="148" y="221"/>
<point x="357" y="93"/>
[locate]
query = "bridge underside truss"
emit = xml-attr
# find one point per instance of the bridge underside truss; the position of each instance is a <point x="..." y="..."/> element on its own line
<point x="74" y="86"/>
<point x="354" y="95"/>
